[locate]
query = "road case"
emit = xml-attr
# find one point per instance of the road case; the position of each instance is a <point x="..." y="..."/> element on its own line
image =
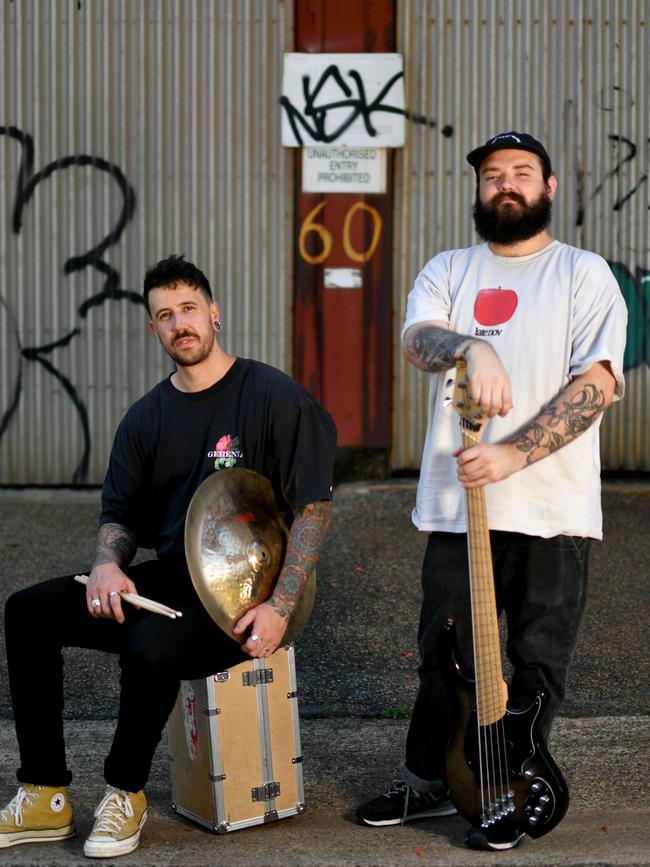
<point x="234" y="745"/>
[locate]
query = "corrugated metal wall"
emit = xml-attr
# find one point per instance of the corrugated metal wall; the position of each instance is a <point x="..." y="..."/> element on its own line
<point x="130" y="129"/>
<point x="574" y="73"/>
<point x="134" y="128"/>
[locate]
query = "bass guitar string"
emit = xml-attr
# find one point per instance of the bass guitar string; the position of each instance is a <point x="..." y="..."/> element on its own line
<point x="490" y="734"/>
<point x="481" y="735"/>
<point x="492" y="747"/>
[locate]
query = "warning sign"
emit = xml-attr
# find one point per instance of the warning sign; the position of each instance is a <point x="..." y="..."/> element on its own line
<point x="343" y="170"/>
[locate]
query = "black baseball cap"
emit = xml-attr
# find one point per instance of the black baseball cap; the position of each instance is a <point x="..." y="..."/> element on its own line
<point x="512" y="141"/>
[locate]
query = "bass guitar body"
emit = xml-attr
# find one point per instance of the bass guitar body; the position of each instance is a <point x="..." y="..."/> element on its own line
<point x="502" y="773"/>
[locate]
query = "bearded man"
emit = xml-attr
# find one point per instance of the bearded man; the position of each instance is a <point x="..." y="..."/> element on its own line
<point x="541" y="326"/>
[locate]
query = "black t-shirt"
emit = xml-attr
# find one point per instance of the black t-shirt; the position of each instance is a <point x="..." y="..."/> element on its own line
<point x="169" y="441"/>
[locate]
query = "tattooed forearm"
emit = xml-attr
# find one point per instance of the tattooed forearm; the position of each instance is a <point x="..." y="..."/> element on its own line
<point x="435" y="349"/>
<point x="303" y="547"/>
<point x="115" y="544"/>
<point x="563" y="419"/>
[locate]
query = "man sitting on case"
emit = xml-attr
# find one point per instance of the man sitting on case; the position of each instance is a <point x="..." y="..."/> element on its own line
<point x="214" y="411"/>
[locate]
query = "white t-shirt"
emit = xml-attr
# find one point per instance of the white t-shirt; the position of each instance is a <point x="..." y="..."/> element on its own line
<point x="549" y="316"/>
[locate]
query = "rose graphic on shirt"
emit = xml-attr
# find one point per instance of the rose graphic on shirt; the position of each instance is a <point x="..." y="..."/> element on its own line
<point x="227" y="452"/>
<point x="495" y="306"/>
<point x="223" y="443"/>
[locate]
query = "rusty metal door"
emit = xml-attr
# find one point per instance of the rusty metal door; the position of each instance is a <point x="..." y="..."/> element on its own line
<point x="342" y="336"/>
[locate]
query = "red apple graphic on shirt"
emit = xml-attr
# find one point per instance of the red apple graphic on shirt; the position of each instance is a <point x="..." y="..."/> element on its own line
<point x="494" y="306"/>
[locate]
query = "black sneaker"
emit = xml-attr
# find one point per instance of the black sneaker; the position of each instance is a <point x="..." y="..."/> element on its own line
<point x="400" y="803"/>
<point x="493" y="838"/>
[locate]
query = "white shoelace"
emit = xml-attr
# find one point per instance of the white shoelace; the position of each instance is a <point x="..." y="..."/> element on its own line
<point x="406" y="803"/>
<point x="15" y="806"/>
<point x="397" y="787"/>
<point x="113" y="811"/>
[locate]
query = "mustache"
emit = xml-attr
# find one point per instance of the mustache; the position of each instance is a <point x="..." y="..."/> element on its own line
<point x="182" y="334"/>
<point x="514" y="197"/>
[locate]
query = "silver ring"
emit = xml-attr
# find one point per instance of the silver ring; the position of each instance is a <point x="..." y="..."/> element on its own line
<point x="96" y="603"/>
<point x="113" y="593"/>
<point x="255" y="638"/>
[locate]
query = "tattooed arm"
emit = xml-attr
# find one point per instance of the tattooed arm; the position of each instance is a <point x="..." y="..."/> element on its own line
<point x="570" y="413"/>
<point x="269" y="620"/>
<point x="116" y="547"/>
<point x="303" y="547"/>
<point x="432" y="347"/>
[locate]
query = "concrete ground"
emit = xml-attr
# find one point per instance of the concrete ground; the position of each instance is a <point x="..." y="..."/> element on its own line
<point x="356" y="666"/>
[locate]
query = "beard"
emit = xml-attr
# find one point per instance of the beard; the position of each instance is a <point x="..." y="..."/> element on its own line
<point x="193" y="355"/>
<point x="505" y="224"/>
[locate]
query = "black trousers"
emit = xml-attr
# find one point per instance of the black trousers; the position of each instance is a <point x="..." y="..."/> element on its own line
<point x="541" y="586"/>
<point x="155" y="654"/>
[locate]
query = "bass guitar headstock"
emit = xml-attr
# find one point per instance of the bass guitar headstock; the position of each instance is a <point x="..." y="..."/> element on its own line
<point x="472" y="419"/>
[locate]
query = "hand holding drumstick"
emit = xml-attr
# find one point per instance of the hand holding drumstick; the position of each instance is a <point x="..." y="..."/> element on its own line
<point x="141" y="601"/>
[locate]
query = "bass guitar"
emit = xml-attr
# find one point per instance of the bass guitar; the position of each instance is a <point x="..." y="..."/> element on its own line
<point x="499" y="770"/>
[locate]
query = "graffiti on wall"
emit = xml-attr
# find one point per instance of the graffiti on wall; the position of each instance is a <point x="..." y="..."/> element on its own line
<point x="626" y="152"/>
<point x="635" y="287"/>
<point x="338" y="97"/>
<point x="622" y="180"/>
<point x="27" y="181"/>
<point x="312" y="116"/>
<point x="628" y="177"/>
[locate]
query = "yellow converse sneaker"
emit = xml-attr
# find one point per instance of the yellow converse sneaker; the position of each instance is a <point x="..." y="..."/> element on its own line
<point x="118" y="820"/>
<point x="37" y="814"/>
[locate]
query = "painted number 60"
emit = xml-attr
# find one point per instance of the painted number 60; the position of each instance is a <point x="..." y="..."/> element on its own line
<point x="308" y="225"/>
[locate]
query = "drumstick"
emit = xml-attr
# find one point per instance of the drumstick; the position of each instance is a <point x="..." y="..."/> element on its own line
<point x="141" y="601"/>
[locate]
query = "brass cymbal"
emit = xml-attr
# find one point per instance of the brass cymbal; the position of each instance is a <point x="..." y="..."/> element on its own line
<point x="235" y="542"/>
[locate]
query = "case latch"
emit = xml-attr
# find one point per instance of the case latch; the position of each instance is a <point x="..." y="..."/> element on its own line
<point x="265" y="792"/>
<point x="257" y="676"/>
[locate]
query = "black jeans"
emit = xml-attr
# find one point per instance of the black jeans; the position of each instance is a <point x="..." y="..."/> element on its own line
<point x="541" y="586"/>
<point x="155" y="652"/>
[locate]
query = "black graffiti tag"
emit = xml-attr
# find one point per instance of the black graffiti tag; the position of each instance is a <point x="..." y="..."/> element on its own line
<point x="628" y="152"/>
<point x="26" y="183"/>
<point x="312" y="117"/>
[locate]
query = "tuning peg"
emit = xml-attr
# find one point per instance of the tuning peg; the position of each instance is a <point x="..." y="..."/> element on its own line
<point x="447" y="401"/>
<point x="449" y="382"/>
